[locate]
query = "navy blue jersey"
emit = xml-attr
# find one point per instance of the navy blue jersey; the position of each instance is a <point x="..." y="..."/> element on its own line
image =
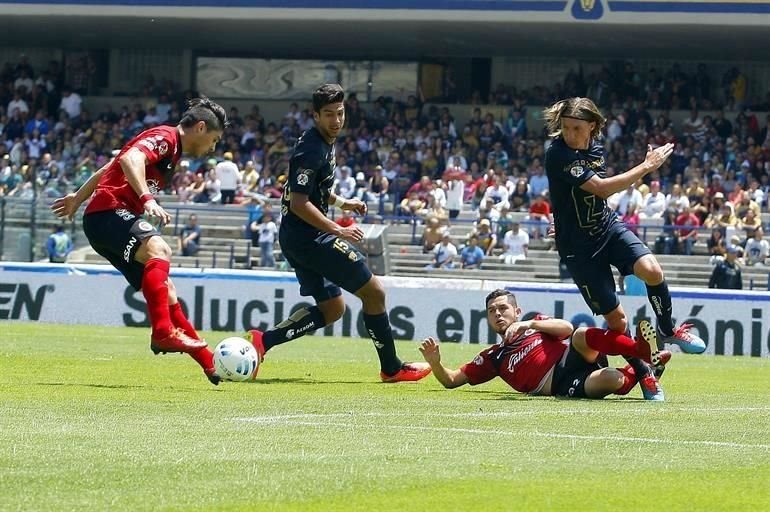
<point x="583" y="221"/>
<point x="311" y="172"/>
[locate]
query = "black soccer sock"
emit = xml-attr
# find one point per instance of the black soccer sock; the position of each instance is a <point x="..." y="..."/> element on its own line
<point x="379" y="330"/>
<point x="660" y="299"/>
<point x="641" y="369"/>
<point x="302" y="322"/>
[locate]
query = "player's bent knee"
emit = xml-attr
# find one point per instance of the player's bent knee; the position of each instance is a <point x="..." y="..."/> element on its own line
<point x="332" y="309"/>
<point x="155" y="247"/>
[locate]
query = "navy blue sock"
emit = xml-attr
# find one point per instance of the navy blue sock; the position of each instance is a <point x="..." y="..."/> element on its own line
<point x="302" y="322"/>
<point x="660" y="299"/>
<point x="379" y="330"/>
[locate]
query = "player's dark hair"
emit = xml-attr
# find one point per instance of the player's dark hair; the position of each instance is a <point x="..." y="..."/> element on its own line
<point x="203" y="109"/>
<point x="577" y="108"/>
<point x="501" y="293"/>
<point x="326" y="94"/>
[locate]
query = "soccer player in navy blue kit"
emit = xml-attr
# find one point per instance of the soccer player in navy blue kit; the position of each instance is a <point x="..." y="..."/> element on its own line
<point x="589" y="235"/>
<point x="321" y="251"/>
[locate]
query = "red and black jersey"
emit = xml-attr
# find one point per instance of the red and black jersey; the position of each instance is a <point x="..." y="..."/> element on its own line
<point x="524" y="364"/>
<point x="163" y="148"/>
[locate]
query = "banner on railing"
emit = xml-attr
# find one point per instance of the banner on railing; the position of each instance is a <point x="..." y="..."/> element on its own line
<point x="451" y="309"/>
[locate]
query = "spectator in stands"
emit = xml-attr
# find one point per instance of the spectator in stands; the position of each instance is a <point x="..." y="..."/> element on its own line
<point x="265" y="231"/>
<point x="668" y="241"/>
<point x="432" y="234"/>
<point x="344" y="185"/>
<point x="538" y="181"/>
<point x="626" y="200"/>
<point x="71" y="102"/>
<point x="515" y="245"/>
<point x="213" y="187"/>
<point x="539" y="217"/>
<point x="487" y="239"/>
<point x="229" y="177"/>
<point x="654" y="204"/>
<point x="717" y="246"/>
<point x="250" y="180"/>
<point x="189" y="240"/>
<point x="687" y="237"/>
<point x="727" y="273"/>
<point x="631" y="219"/>
<point x="749" y="223"/>
<point x="472" y="255"/>
<point x="757" y="248"/>
<point x="196" y="191"/>
<point x="454" y="184"/>
<point x="59" y="245"/>
<point x="444" y="253"/>
<point x="677" y="200"/>
<point x="746" y="204"/>
<point x="519" y="199"/>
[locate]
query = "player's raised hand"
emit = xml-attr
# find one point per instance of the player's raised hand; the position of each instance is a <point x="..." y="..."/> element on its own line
<point x="430" y="350"/>
<point x="656" y="157"/>
<point x="351" y="233"/>
<point x="355" y="206"/>
<point x="66" y="207"/>
<point x="515" y="330"/>
<point x="153" y="211"/>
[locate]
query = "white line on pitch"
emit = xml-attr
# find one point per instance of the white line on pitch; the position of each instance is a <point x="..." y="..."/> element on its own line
<point x="623" y="439"/>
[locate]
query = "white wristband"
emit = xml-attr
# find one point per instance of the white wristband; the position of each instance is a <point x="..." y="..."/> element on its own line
<point x="339" y="202"/>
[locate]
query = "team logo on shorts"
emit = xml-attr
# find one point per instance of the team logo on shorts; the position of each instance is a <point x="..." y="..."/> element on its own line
<point x="144" y="226"/>
<point x="577" y="171"/>
<point x="352" y="256"/>
<point x="163" y="148"/>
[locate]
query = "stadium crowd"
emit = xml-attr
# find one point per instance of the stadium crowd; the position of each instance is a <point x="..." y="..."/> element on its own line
<point x="411" y="158"/>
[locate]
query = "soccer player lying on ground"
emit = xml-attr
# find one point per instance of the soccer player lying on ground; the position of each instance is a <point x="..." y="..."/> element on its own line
<point x="117" y="220"/>
<point x="534" y="356"/>
<point x="320" y="251"/>
<point x="589" y="235"/>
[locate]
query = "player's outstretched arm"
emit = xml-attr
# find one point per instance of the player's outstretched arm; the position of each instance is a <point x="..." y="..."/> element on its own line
<point x="68" y="205"/>
<point x="605" y="187"/>
<point x="446" y="376"/>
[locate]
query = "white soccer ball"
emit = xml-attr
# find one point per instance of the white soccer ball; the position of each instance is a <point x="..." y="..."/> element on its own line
<point x="236" y="359"/>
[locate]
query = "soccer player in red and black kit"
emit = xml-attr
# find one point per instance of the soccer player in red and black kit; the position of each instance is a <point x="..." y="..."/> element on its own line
<point x="534" y="356"/>
<point x="589" y="235"/>
<point x="320" y="251"/>
<point x="118" y="220"/>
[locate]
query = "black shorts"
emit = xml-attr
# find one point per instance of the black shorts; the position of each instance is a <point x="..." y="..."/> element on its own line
<point x="323" y="264"/>
<point x="592" y="273"/>
<point x="570" y="374"/>
<point x="117" y="235"/>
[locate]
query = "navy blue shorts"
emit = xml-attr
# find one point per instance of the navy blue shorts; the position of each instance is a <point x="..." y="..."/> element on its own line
<point x="117" y="235"/>
<point x="570" y="374"/>
<point x="593" y="274"/>
<point x="324" y="264"/>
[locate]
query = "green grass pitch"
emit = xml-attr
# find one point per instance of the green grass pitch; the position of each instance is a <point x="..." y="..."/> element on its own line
<point x="90" y="420"/>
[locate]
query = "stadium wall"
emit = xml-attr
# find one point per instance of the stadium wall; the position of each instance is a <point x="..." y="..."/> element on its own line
<point x="227" y="300"/>
<point x="736" y="12"/>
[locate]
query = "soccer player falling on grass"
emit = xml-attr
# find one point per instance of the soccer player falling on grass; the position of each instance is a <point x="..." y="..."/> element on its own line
<point x="118" y="220"/>
<point x="535" y="357"/>
<point x="589" y="235"/>
<point x="321" y="252"/>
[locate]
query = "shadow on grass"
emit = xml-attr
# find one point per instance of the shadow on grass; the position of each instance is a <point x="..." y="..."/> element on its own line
<point x="305" y="380"/>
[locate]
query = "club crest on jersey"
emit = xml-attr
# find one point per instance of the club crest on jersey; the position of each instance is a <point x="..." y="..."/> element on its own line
<point x="478" y="360"/>
<point x="163" y="148"/>
<point x="577" y="171"/>
<point x="304" y="177"/>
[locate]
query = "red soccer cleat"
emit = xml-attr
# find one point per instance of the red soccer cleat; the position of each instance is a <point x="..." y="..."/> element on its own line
<point x="177" y="341"/>
<point x="647" y="339"/>
<point x="409" y="372"/>
<point x="651" y="389"/>
<point x="255" y="338"/>
<point x="212" y="376"/>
